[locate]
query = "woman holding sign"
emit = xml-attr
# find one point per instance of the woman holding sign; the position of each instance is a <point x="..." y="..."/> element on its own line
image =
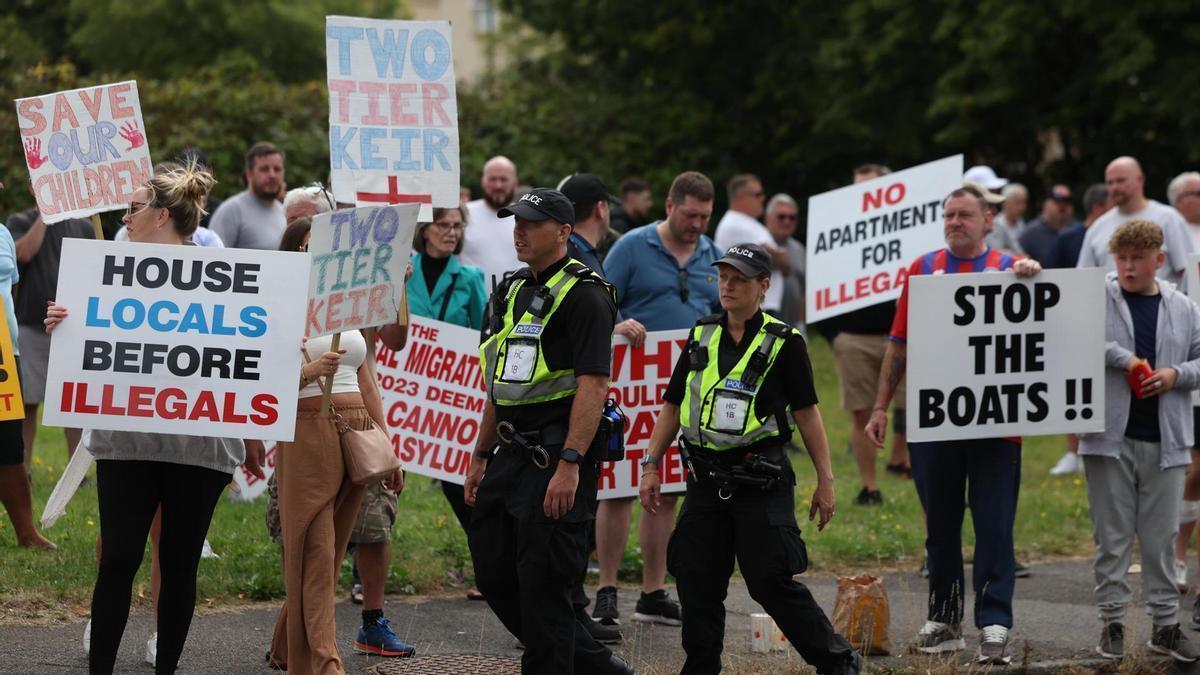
<point x="319" y="506"/>
<point x="139" y="473"/>
<point x="443" y="288"/>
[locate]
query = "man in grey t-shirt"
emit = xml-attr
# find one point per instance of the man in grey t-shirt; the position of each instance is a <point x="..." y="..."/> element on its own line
<point x="1126" y="188"/>
<point x="255" y="218"/>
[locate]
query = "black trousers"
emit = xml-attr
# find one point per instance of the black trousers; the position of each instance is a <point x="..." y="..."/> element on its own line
<point x="129" y="493"/>
<point x="759" y="530"/>
<point x="526" y="566"/>
<point x="454" y="496"/>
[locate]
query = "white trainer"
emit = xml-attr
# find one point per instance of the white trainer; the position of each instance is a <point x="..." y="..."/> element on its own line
<point x="152" y="649"/>
<point x="87" y="638"/>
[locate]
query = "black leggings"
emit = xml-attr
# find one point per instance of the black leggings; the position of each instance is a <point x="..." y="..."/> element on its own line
<point x="129" y="494"/>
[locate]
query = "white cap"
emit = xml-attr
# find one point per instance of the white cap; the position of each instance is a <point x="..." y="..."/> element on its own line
<point x="985" y="176"/>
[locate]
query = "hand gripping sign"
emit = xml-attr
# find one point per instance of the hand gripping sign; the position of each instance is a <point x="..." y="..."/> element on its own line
<point x="177" y="339"/>
<point x="85" y="148"/>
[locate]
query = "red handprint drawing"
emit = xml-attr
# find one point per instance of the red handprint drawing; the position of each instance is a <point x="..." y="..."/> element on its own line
<point x="33" y="153"/>
<point x="131" y="133"/>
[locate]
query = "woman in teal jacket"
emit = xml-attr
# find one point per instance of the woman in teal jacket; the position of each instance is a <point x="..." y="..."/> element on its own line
<point x="442" y="288"/>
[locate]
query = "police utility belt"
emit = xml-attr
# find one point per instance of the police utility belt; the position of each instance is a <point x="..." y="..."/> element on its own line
<point x="542" y="446"/>
<point x="730" y="471"/>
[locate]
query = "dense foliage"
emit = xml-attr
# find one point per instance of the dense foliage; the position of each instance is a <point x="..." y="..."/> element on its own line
<point x="796" y="90"/>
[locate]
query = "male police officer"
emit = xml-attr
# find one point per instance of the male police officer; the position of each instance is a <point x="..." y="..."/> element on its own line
<point x="743" y="379"/>
<point x="546" y="369"/>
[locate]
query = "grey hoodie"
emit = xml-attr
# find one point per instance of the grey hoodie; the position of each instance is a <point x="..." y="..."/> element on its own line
<point x="1177" y="346"/>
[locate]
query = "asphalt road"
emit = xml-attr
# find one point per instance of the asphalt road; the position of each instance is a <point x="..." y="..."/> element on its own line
<point x="1056" y="630"/>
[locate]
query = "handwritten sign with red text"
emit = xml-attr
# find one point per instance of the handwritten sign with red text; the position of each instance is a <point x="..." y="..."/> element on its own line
<point x="85" y="148"/>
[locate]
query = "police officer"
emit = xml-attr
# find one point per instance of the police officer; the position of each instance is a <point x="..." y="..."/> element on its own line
<point x="741" y="387"/>
<point x="546" y="369"/>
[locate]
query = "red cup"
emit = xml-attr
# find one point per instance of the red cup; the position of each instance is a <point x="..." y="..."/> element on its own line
<point x="1140" y="373"/>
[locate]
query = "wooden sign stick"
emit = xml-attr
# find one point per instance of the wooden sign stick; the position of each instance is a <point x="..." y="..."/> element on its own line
<point x="327" y="392"/>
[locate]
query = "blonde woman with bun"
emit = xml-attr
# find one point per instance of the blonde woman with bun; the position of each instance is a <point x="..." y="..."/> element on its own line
<point x="138" y="473"/>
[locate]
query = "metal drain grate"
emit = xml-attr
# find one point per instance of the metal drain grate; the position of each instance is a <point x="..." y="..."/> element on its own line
<point x="450" y="664"/>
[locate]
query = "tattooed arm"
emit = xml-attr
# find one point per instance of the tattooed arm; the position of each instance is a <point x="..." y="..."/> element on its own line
<point x="895" y="362"/>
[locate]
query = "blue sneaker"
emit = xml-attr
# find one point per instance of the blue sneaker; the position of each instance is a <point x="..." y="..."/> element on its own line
<point x="381" y="641"/>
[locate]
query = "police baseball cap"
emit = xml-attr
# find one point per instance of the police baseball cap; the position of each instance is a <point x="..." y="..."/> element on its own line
<point x="541" y="204"/>
<point x="749" y="259"/>
<point x="586" y="189"/>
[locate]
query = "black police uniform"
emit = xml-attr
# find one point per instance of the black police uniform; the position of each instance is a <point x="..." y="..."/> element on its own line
<point x="525" y="562"/>
<point x="756" y="527"/>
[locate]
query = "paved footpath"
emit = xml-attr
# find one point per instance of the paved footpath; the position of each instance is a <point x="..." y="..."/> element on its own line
<point x="1056" y="631"/>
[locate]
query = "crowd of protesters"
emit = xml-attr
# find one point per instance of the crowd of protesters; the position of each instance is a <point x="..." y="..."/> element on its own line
<point x="1143" y="472"/>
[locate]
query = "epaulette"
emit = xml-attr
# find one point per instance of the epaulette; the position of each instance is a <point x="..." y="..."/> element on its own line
<point x="710" y="319"/>
<point x="779" y="330"/>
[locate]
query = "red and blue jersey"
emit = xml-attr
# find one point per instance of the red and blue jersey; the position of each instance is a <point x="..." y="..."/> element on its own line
<point x="942" y="261"/>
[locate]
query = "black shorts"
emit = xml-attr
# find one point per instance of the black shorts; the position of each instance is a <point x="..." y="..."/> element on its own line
<point x="12" y="445"/>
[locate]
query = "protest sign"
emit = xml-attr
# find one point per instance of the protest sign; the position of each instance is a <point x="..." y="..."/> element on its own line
<point x="85" y="148"/>
<point x="11" y="405"/>
<point x="1192" y="278"/>
<point x="177" y="339"/>
<point x="640" y="376"/>
<point x="991" y="355"/>
<point x="359" y="258"/>
<point x="393" y="112"/>
<point x="246" y="486"/>
<point x="861" y="238"/>
<point x="433" y="400"/>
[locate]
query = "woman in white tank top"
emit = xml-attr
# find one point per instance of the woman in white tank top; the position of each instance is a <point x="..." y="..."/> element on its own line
<point x="318" y="504"/>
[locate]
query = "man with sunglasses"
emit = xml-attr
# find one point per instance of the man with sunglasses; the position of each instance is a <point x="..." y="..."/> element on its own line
<point x="782" y="216"/>
<point x="740" y="225"/>
<point x="665" y="280"/>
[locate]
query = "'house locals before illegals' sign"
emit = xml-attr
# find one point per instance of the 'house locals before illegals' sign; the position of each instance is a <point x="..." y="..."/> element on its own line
<point x="359" y="257"/>
<point x="862" y="237"/>
<point x="991" y="355"/>
<point x="85" y="148"/>
<point x="393" y="112"/>
<point x="177" y="339"/>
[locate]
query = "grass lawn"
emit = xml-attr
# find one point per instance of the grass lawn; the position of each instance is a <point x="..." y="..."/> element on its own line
<point x="1052" y="520"/>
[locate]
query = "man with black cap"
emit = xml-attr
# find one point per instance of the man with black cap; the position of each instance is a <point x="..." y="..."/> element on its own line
<point x="546" y="370"/>
<point x="741" y="387"/>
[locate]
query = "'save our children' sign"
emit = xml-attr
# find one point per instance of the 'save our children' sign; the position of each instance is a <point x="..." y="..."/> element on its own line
<point x="992" y="355"/>
<point x="862" y="237"/>
<point x="177" y="339"/>
<point x="393" y="112"/>
<point x="85" y="148"/>
<point x="359" y="257"/>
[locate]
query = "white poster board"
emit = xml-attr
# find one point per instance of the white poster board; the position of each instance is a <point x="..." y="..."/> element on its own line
<point x="994" y="356"/>
<point x="433" y="399"/>
<point x="359" y="257"/>
<point x="861" y="238"/>
<point x="393" y="112"/>
<point x="85" y="148"/>
<point x="177" y="339"/>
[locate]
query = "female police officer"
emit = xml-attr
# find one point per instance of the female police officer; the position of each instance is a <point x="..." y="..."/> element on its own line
<point x="736" y="390"/>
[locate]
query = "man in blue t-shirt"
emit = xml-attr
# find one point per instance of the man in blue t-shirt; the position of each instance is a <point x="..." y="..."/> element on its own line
<point x="665" y="280"/>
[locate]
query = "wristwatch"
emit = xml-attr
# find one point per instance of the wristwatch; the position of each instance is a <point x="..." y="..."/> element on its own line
<point x="649" y="459"/>
<point x="570" y="456"/>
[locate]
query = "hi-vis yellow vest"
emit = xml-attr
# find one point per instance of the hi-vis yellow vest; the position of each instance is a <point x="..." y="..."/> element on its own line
<point x="718" y="413"/>
<point x="513" y="361"/>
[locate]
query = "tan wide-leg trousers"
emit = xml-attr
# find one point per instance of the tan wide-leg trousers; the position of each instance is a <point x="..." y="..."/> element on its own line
<point x="317" y="508"/>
